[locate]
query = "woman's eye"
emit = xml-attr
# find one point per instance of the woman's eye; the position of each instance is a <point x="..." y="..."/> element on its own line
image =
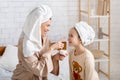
<point x="48" y="25"/>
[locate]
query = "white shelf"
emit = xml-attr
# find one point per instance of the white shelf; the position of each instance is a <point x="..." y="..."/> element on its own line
<point x="96" y="39"/>
<point x="102" y="59"/>
<point x="102" y="77"/>
<point x="96" y="16"/>
<point x="99" y="16"/>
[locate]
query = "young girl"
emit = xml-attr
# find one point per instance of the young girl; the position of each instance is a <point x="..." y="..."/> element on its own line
<point x="81" y="60"/>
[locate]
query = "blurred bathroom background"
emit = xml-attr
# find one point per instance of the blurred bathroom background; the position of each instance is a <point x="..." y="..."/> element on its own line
<point x="65" y="14"/>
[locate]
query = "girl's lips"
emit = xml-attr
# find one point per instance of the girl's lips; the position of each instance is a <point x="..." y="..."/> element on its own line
<point x="45" y="32"/>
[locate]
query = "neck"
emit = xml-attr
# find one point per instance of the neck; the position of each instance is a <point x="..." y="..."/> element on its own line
<point x="43" y="40"/>
<point x="79" y="49"/>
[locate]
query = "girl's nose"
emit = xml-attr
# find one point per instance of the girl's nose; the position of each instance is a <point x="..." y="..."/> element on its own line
<point x="48" y="29"/>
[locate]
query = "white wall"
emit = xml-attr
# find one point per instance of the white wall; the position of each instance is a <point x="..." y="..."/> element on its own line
<point x="115" y="39"/>
<point x="14" y="12"/>
<point x="115" y="27"/>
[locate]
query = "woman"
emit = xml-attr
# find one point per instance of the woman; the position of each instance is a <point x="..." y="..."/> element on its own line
<point x="81" y="60"/>
<point x="34" y="49"/>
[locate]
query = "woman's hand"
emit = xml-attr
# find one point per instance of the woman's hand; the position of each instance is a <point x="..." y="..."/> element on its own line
<point x="63" y="54"/>
<point x="61" y="57"/>
<point x="57" y="45"/>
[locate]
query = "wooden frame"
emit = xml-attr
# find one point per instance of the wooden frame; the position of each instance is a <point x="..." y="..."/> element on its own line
<point x="2" y="49"/>
<point x="98" y="17"/>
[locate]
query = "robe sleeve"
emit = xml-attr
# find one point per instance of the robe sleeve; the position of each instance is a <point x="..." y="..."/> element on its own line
<point x="40" y="66"/>
<point x="36" y="64"/>
<point x="90" y="72"/>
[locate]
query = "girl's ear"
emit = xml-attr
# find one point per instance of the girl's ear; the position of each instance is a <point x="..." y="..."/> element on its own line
<point x="81" y="43"/>
<point x="80" y="40"/>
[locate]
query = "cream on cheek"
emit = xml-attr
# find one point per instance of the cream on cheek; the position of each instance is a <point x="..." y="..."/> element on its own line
<point x="75" y="41"/>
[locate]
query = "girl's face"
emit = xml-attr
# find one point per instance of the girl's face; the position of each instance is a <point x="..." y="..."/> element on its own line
<point x="45" y="27"/>
<point x="73" y="39"/>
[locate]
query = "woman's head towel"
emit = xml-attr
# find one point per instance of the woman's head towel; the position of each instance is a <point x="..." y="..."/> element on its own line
<point x="32" y="29"/>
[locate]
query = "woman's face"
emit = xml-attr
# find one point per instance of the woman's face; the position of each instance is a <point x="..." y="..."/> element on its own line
<point x="73" y="39"/>
<point x="45" y="27"/>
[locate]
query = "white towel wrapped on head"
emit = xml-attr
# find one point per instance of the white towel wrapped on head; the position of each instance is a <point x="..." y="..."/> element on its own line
<point x="32" y="29"/>
<point x="85" y="32"/>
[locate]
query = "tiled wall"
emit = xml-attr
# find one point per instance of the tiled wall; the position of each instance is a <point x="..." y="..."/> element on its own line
<point x="65" y="14"/>
<point x="14" y="12"/>
<point x="115" y="27"/>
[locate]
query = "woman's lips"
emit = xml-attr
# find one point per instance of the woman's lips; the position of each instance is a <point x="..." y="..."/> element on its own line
<point x="69" y="42"/>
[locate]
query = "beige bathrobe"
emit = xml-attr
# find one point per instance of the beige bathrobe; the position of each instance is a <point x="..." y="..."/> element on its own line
<point x="35" y="67"/>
